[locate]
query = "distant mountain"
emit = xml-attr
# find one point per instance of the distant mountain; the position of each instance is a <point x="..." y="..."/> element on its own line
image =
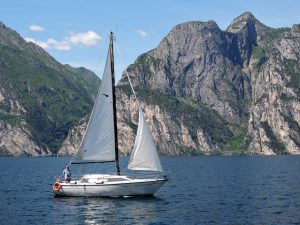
<point x="208" y="91"/>
<point x="40" y="99"/>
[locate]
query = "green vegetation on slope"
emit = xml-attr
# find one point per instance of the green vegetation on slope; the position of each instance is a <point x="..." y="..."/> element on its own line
<point x="14" y="120"/>
<point x="258" y="52"/>
<point x="54" y="97"/>
<point x="277" y="146"/>
<point x="237" y="142"/>
<point x="292" y="69"/>
<point x="277" y="33"/>
<point x="260" y="55"/>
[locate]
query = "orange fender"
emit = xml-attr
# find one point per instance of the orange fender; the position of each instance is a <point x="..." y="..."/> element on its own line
<point x="56" y="186"/>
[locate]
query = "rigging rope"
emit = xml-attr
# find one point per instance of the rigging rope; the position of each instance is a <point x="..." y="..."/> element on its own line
<point x="124" y="68"/>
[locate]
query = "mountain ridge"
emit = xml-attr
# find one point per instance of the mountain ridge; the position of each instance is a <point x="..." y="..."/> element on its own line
<point x="38" y="97"/>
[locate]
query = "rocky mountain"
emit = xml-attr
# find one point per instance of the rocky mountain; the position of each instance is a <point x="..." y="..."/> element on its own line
<point x="208" y="91"/>
<point x="40" y="99"/>
<point x="203" y="90"/>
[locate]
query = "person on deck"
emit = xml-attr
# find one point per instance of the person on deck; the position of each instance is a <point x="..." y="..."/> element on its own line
<point x="67" y="174"/>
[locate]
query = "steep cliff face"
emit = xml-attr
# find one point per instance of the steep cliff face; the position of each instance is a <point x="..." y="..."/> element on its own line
<point x="178" y="126"/>
<point x="248" y="75"/>
<point x="15" y="137"/>
<point x="274" y="119"/>
<point x="196" y="60"/>
<point x="71" y="144"/>
<point x="40" y="99"/>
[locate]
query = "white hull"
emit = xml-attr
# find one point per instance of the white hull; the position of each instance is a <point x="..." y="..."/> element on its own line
<point x="110" y="186"/>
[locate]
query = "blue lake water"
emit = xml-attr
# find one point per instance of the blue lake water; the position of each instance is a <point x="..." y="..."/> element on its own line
<point x="201" y="190"/>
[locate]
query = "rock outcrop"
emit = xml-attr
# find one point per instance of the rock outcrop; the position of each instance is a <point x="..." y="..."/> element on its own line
<point x="71" y="144"/>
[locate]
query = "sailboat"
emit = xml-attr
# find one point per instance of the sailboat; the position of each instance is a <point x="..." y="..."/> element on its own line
<point x="100" y="145"/>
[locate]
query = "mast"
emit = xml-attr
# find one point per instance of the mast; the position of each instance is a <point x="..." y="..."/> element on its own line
<point x="111" y="49"/>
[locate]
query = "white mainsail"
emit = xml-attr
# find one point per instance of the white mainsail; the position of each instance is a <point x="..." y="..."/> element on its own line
<point x="98" y="143"/>
<point x="144" y="155"/>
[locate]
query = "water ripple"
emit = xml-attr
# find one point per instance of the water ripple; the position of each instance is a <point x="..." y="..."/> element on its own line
<point x="201" y="190"/>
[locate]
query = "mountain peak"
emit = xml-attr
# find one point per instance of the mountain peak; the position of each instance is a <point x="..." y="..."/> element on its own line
<point x="189" y="30"/>
<point x="2" y="25"/>
<point x="246" y="16"/>
<point x="244" y="20"/>
<point x="183" y="38"/>
<point x="10" y="37"/>
<point x="195" y="25"/>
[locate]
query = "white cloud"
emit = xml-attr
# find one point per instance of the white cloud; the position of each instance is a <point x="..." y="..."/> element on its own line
<point x="58" y="45"/>
<point x="88" y="38"/>
<point x="40" y="43"/>
<point x="30" y="40"/>
<point x="142" y="33"/>
<point x="51" y="43"/>
<point x="36" y="28"/>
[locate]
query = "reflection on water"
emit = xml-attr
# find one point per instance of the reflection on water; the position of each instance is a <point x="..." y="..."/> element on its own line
<point x="98" y="210"/>
<point x="201" y="190"/>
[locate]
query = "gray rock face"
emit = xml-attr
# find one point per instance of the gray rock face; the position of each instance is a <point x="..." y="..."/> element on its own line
<point x="16" y="141"/>
<point x="196" y="60"/>
<point x="248" y="75"/>
<point x="171" y="133"/>
<point x="71" y="144"/>
<point x="14" y="134"/>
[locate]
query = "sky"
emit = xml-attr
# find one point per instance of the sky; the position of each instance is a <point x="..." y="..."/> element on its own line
<point x="76" y="32"/>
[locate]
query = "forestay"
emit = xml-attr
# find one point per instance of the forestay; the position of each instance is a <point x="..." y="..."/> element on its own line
<point x="144" y="155"/>
<point x="98" y="142"/>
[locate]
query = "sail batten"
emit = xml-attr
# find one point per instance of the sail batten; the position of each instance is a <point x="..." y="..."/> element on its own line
<point x="144" y="155"/>
<point x="98" y="143"/>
